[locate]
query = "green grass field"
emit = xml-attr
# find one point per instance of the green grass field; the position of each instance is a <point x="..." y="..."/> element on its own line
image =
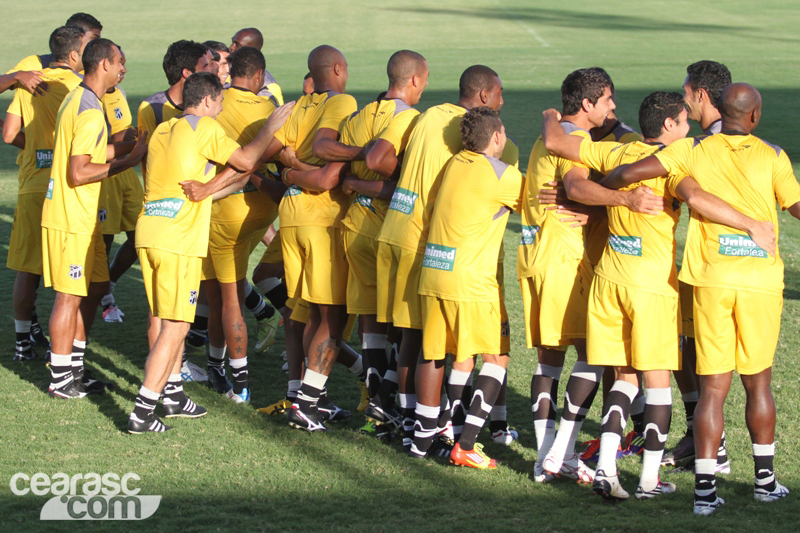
<point x="238" y="470"/>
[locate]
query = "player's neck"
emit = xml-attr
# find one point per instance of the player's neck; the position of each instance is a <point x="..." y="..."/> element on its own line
<point x="709" y="116"/>
<point x="175" y="93"/>
<point x="579" y="119"/>
<point x="730" y="125"/>
<point x="246" y="84"/>
<point x="96" y="85"/>
<point x="398" y="94"/>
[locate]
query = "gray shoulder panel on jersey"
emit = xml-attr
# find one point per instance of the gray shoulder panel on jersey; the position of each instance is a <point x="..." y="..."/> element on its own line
<point x="89" y="101"/>
<point x="157" y="102"/>
<point x="266" y="93"/>
<point x="498" y="166"/>
<point x="123" y="92"/>
<point x="400" y="106"/>
<point x="503" y="211"/>
<point x="699" y="139"/>
<point x="209" y="167"/>
<point x="714" y="127"/>
<point x="775" y="147"/>
<point x="268" y="78"/>
<point x="622" y="129"/>
<point x="569" y="127"/>
<point x="46" y="59"/>
<point x="193" y="120"/>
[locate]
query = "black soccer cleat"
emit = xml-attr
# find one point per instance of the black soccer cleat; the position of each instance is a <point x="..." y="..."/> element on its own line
<point x="187" y="409"/>
<point x="153" y="423"/>
<point x="71" y="391"/>
<point x="306" y="421"/>
<point x="387" y="417"/>
<point x="90" y="381"/>
<point x="218" y="381"/>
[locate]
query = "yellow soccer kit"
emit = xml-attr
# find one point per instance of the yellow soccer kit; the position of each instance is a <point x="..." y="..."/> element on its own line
<point x="736" y="283"/>
<point x="313" y="252"/>
<point x="271" y="90"/>
<point x="155" y="110"/>
<point x="69" y="216"/>
<point x="391" y="120"/>
<point x="552" y="267"/>
<point x="22" y="107"/>
<point x="121" y="198"/>
<point x="633" y="302"/>
<point x="461" y="297"/>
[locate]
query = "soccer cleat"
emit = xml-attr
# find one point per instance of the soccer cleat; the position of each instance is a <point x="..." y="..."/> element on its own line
<point x="505" y="436"/>
<point x="378" y="414"/>
<point x="723" y="467"/>
<point x="218" y="381"/>
<point x="23" y="351"/>
<point x="447" y="432"/>
<point x="277" y="408"/>
<point x="474" y="458"/>
<point x="188" y="409"/>
<point x="723" y="463"/>
<point x="364" y="403"/>
<point x="442" y="446"/>
<point x="704" y="508"/>
<point x="574" y="468"/>
<point x="71" y="391"/>
<point x="766" y="496"/>
<point x="591" y="453"/>
<point x="136" y="426"/>
<point x="112" y="313"/>
<point x="539" y="474"/>
<point x="265" y="332"/>
<point x="663" y="487"/>
<point x="91" y="384"/>
<point x="242" y="397"/>
<point x="683" y="452"/>
<point x="608" y="487"/>
<point x="192" y="372"/>
<point x="633" y="444"/>
<point x="379" y="431"/>
<point x="330" y="412"/>
<point x="38" y="337"/>
<point x="306" y="421"/>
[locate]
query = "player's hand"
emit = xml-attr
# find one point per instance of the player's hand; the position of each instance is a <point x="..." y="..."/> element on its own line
<point x="348" y="184"/>
<point x="279" y="116"/>
<point x="575" y="216"/>
<point x="288" y="157"/>
<point x="763" y="234"/>
<point x="32" y="81"/>
<point x="139" y="149"/>
<point x="642" y="200"/>
<point x="194" y="190"/>
<point x="551" y="113"/>
<point x="552" y="193"/>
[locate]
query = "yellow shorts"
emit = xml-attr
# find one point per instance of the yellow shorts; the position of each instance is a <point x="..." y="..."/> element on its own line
<point x="25" y="248"/>
<point x="362" y="274"/>
<point x="398" y="300"/>
<point x="274" y="252"/>
<point x="301" y="310"/>
<point x="314" y="264"/>
<point x="632" y="327"/>
<point x="71" y="261"/>
<point x="685" y="293"/>
<point x="229" y="247"/>
<point x="555" y="304"/>
<point x="121" y="200"/>
<point x="172" y="283"/>
<point x="463" y="329"/>
<point x="735" y="330"/>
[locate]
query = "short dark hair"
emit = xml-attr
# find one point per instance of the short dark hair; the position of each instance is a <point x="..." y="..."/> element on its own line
<point x="198" y="86"/>
<point x="589" y="83"/>
<point x="216" y="47"/>
<point x="710" y="76"/>
<point x="64" y="40"/>
<point x="181" y="55"/>
<point x="246" y="61"/>
<point x="84" y="21"/>
<point x="95" y="52"/>
<point x="478" y="126"/>
<point x="656" y="108"/>
<point x="475" y="79"/>
<point x="403" y="65"/>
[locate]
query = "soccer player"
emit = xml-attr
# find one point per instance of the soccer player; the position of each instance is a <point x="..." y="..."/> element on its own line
<point x="633" y="300"/>
<point x="172" y="235"/>
<point x="252" y="37"/>
<point x="433" y="141"/>
<point x="736" y="315"/>
<point x="705" y="81"/>
<point x="39" y="118"/>
<point x="219" y="58"/>
<point x="74" y="260"/>
<point x="555" y="277"/>
<point x="387" y="124"/>
<point x="462" y="310"/>
<point x="120" y="202"/>
<point x="238" y="222"/>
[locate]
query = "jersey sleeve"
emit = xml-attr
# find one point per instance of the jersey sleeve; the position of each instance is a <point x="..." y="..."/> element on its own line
<point x="399" y="129"/>
<point x="512" y="190"/>
<point x="89" y="131"/>
<point x="15" y="108"/>
<point x="337" y="109"/>
<point x="32" y="62"/>
<point x="146" y="119"/>
<point x="674" y="157"/>
<point x="787" y="190"/>
<point x="213" y="143"/>
<point x="510" y="153"/>
<point x="599" y="155"/>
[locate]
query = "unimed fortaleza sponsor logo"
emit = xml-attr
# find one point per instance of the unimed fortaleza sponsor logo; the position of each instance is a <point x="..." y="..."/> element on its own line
<point x="50" y="185"/>
<point x="87" y="496"/>
<point x="166" y="207"/>
<point x="364" y="201"/>
<point x="439" y="257"/>
<point x="44" y="159"/>
<point x="740" y="246"/>
<point x="529" y="235"/>
<point x="294" y="190"/>
<point x="403" y="200"/>
<point x="626" y="245"/>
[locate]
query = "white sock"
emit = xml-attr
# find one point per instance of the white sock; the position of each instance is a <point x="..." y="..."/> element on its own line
<point x="22" y="326"/>
<point x="266" y="285"/>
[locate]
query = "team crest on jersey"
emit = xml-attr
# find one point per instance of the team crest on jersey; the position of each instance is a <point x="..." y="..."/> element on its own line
<point x="76" y="271"/>
<point x="294" y="190"/>
<point x="118" y="113"/>
<point x="192" y="297"/>
<point x="505" y="329"/>
<point x="102" y="214"/>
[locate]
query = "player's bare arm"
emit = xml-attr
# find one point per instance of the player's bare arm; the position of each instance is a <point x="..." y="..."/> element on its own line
<point x="273" y="189"/>
<point x="381" y="189"/>
<point x="83" y="171"/>
<point x="197" y="191"/>
<point x="327" y="147"/>
<point x="30" y="81"/>
<point x="582" y="190"/>
<point x="12" y="131"/>
<point x="320" y="179"/>
<point x="382" y="158"/>
<point x="247" y="157"/>
<point x="624" y="175"/>
<point x="556" y="140"/>
<point x="288" y="158"/>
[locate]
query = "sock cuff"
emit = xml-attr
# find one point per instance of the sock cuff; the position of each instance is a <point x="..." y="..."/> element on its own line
<point x="764" y="449"/>
<point x="638" y="403"/>
<point x="494" y="371"/>
<point x="552" y="372"/>
<point x="22" y="326"/>
<point x="628" y="389"/>
<point x="584" y="370"/>
<point x="458" y="377"/>
<point x="705" y="466"/>
<point x="57" y="359"/>
<point x="216" y="353"/>
<point x="690" y="397"/>
<point x="79" y="344"/>
<point x="390" y="375"/>
<point x="427" y="411"/>
<point x="175" y="378"/>
<point x="238" y="363"/>
<point x="294" y="385"/>
<point x="266" y="285"/>
<point x="374" y="341"/>
<point x="201" y="310"/>
<point x="659" y="396"/>
<point x="247" y="289"/>
<point x="406" y="401"/>
<point x="147" y="393"/>
<point x="498" y="412"/>
<point x="314" y="379"/>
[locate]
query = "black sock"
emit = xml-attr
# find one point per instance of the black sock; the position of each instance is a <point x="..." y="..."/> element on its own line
<point x="278" y="296"/>
<point x="173" y="392"/>
<point x="722" y="452"/>
<point x="705" y="481"/>
<point x="256" y="304"/>
<point x="457" y="385"/>
<point x="424" y="428"/>
<point x="145" y="404"/>
<point x="763" y="458"/>
<point x="487" y="387"/>
<point x="689" y="405"/>
<point x="310" y="391"/>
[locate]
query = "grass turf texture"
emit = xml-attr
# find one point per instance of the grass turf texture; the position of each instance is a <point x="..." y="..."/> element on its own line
<point x="239" y="469"/>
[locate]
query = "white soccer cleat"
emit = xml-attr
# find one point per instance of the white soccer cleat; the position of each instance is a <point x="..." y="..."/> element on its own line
<point x="539" y="475"/>
<point x="608" y="487"/>
<point x="574" y="468"/>
<point x="762" y="495"/>
<point x="192" y="372"/>
<point x="505" y="436"/>
<point x="704" y="508"/>
<point x="113" y="314"/>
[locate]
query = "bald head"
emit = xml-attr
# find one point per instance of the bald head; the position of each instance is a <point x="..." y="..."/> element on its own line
<point x="403" y="65"/>
<point x="247" y="37"/>
<point x="739" y="100"/>
<point x="323" y="58"/>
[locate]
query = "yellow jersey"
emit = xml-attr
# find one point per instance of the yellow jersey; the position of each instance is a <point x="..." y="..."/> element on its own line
<point x="750" y="174"/>
<point x="466" y="233"/>
<point x="640" y="249"/>
<point x="311" y="113"/>
<point x="391" y="120"/>
<point x="80" y="130"/>
<point x="434" y="140"/>
<point x="269" y="90"/>
<point x="155" y="110"/>
<point x="32" y="62"/>
<point x="545" y="240"/>
<point x="186" y="148"/>
<point x="118" y="114"/>
<point x="243" y="115"/>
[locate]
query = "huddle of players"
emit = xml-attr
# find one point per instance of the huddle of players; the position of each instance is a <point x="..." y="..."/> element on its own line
<point x="351" y="214"/>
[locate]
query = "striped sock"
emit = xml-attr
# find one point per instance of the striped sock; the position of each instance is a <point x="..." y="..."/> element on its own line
<point x="619" y="401"/>
<point x="544" y="391"/>
<point x="239" y="374"/>
<point x="60" y="370"/>
<point x="310" y="391"/>
<point x="145" y="404"/>
<point x="705" y="481"/>
<point x="424" y="429"/>
<point x="487" y="387"/>
<point x="578" y="397"/>
<point x="173" y="392"/>
<point x="763" y="457"/>
<point x="657" y="415"/>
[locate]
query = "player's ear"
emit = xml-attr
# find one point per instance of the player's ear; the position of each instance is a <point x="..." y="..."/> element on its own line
<point x="185" y="73"/>
<point x="586" y="105"/>
<point x="337" y="69"/>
